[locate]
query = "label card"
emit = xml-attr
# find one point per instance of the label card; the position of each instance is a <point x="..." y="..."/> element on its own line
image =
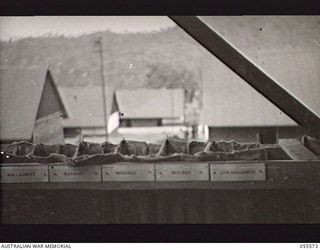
<point x="60" y="173"/>
<point x="182" y="172"/>
<point x="24" y="174"/>
<point x="128" y="172"/>
<point x="238" y="172"/>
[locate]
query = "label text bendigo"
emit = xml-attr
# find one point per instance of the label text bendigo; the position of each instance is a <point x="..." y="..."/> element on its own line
<point x="126" y="172"/>
<point x="181" y="172"/>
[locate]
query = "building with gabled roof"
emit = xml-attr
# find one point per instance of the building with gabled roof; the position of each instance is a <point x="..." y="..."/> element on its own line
<point x="150" y="107"/>
<point x="31" y="106"/>
<point x="140" y="110"/>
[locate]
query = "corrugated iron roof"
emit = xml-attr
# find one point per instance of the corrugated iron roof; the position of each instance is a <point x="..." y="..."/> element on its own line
<point x="20" y="94"/>
<point x="151" y="103"/>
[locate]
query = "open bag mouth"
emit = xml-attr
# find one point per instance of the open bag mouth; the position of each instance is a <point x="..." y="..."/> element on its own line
<point x="86" y="153"/>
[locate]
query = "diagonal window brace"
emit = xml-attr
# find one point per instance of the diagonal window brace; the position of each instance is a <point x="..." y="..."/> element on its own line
<point x="249" y="72"/>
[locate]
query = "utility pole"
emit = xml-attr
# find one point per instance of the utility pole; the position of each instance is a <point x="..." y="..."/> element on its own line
<point x="105" y="114"/>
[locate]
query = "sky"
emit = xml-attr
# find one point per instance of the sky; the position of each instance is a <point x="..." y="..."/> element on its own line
<point x="20" y="27"/>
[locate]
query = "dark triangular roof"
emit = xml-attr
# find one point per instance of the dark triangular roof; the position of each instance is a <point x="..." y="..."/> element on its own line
<point x="20" y="95"/>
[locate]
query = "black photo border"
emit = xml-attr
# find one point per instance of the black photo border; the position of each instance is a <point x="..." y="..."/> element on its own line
<point x="159" y="233"/>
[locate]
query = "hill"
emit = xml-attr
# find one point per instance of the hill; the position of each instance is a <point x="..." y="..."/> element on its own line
<point x="169" y="58"/>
